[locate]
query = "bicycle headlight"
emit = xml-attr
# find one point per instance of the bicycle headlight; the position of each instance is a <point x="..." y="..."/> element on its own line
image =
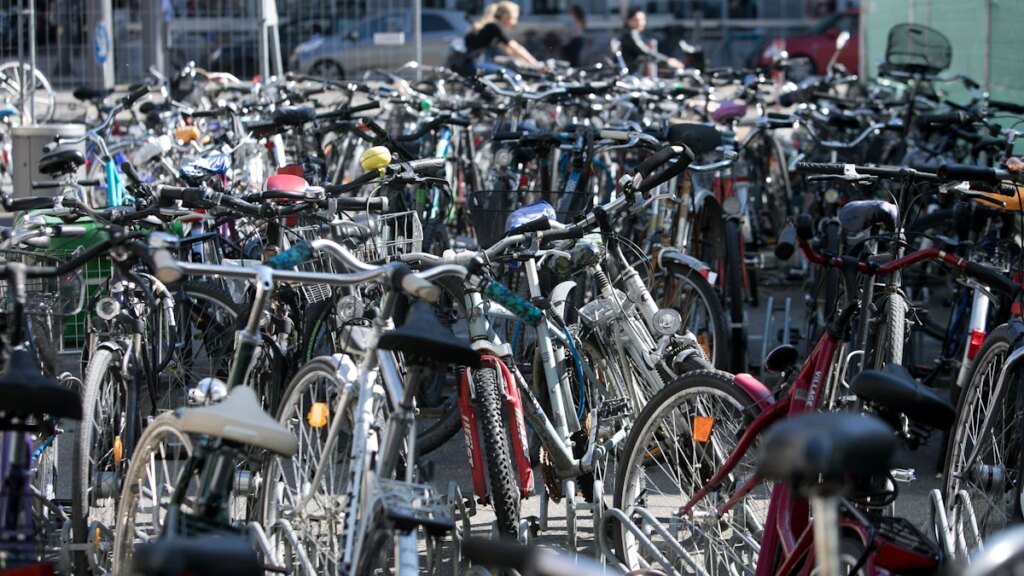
<point x="107" y="308"/>
<point x="350" y="308"/>
<point x="731" y="206"/>
<point x="831" y="196"/>
<point x="503" y="157"/>
<point x="667" y="321"/>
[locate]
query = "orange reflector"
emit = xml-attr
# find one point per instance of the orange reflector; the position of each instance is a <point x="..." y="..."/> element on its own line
<point x="118" y="449"/>
<point x="702" y="428"/>
<point x="317" y="416"/>
<point x="977" y="339"/>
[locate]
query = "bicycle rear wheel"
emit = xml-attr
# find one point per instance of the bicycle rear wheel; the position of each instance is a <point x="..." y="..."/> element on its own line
<point x="677" y="443"/>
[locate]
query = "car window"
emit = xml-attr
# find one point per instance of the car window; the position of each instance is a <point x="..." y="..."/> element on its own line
<point x="436" y="23"/>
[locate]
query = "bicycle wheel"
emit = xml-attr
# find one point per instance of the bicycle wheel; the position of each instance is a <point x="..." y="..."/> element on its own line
<point x="206" y="317"/>
<point x="892" y="335"/>
<point x="162" y="454"/>
<point x="677" y="443"/>
<point x="501" y="472"/>
<point x="701" y="309"/>
<point x="991" y="483"/>
<point x="733" y="290"/>
<point x="309" y="409"/>
<point x="103" y="444"/>
<point x="42" y="102"/>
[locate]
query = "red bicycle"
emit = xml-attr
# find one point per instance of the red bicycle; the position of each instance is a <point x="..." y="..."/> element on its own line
<point x="689" y="497"/>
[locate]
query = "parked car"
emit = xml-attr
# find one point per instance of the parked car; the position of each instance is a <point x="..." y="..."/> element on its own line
<point x="383" y="40"/>
<point x="818" y="45"/>
<point x="240" y="56"/>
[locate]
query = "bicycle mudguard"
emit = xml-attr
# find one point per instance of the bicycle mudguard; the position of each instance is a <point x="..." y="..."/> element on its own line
<point x="674" y="256"/>
<point x="758" y="391"/>
<point x="517" y="426"/>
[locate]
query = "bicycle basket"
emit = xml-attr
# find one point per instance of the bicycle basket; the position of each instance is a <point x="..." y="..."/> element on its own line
<point x="320" y="263"/>
<point x="385" y="237"/>
<point x="917" y="48"/>
<point x="61" y="296"/>
<point x="489" y="209"/>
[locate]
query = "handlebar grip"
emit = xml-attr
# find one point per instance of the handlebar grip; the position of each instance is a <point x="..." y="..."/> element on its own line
<point x="45" y="184"/>
<point x="567" y="233"/>
<point x="291" y="257"/>
<point x="69" y="231"/>
<point x="787" y="243"/>
<point x="211" y="113"/>
<point x="165" y="267"/>
<point x="130" y="172"/>
<point x="995" y="279"/>
<point x="28" y="203"/>
<point x="363" y="107"/>
<point x="820" y="168"/>
<point x="515" y="303"/>
<point x="944" y="119"/>
<point x="189" y="195"/>
<point x="971" y="173"/>
<point x="458" y="121"/>
<point x="804" y="227"/>
<point x="427" y="166"/>
<point x="419" y="288"/>
<point x="374" y="127"/>
<point x="539" y="225"/>
<point x="372" y="204"/>
<point x="134" y="97"/>
<point x="506" y="136"/>
<point x="683" y="155"/>
<point x="1006" y="106"/>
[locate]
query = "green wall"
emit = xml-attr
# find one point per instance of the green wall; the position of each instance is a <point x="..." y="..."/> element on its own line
<point x="987" y="38"/>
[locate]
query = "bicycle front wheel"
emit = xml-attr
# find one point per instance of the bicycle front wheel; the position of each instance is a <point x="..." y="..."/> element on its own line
<point x="162" y="454"/>
<point x="678" y="442"/>
<point x="990" y="483"/>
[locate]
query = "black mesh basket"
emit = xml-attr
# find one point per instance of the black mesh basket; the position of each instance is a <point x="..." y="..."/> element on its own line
<point x="916" y="48"/>
<point x="489" y="209"/>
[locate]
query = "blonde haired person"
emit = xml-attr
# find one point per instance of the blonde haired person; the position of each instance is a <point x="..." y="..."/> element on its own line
<point x="490" y="33"/>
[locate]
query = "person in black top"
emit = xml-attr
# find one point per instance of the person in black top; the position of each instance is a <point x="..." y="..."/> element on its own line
<point x="635" y="50"/>
<point x="489" y="36"/>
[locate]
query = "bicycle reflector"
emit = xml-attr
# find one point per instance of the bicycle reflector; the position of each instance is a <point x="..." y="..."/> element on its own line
<point x="317" y="416"/>
<point x="977" y="339"/>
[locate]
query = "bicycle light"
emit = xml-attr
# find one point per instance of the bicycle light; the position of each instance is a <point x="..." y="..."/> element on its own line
<point x="207" y="391"/>
<point x="731" y="205"/>
<point x="503" y="157"/>
<point x="107" y="308"/>
<point x="667" y="321"/>
<point x="350" y="308"/>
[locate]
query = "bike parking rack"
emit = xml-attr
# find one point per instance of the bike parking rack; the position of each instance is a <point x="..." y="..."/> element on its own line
<point x="949" y="523"/>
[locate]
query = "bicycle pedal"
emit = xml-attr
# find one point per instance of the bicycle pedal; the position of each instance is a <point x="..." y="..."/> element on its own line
<point x="410" y="505"/>
<point x="905" y="475"/>
<point x="613" y="409"/>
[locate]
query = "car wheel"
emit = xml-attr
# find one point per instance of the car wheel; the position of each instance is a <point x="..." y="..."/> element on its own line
<point x="327" y="69"/>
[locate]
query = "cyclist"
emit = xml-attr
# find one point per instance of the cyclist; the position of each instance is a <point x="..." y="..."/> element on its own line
<point x="490" y="35"/>
<point x="635" y="50"/>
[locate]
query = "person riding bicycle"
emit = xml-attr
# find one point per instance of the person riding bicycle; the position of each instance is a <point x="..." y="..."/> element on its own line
<point x="635" y="50"/>
<point x="490" y="36"/>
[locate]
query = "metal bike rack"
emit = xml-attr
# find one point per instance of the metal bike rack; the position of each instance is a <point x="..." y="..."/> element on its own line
<point x="951" y="524"/>
<point x="284" y="528"/>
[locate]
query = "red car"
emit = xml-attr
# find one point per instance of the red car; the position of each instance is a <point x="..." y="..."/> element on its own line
<point x="818" y="45"/>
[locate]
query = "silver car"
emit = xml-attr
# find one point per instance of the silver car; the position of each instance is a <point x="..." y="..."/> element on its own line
<point x="384" y="40"/>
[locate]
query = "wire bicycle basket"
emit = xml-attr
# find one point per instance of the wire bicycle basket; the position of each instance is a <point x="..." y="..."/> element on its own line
<point x="59" y="297"/>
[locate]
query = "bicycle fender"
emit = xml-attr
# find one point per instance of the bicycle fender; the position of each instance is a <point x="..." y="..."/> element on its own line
<point x="672" y="256"/>
<point x="559" y="294"/>
<point x="758" y="391"/>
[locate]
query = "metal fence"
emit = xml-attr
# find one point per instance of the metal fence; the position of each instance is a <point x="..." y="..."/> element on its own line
<point x="77" y="41"/>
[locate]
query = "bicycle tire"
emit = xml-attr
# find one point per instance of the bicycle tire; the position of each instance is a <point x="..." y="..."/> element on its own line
<point x="205" y="336"/>
<point x="888" y="347"/>
<point x="325" y="532"/>
<point x="706" y="388"/>
<point x="162" y="438"/>
<point x="972" y="410"/>
<point x="733" y="290"/>
<point x="501" y="472"/>
<point x="102" y="383"/>
<point x="715" y="348"/>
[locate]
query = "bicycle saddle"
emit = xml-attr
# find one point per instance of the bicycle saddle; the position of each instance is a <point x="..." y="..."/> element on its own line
<point x="60" y="162"/>
<point x="863" y="214"/>
<point x="700" y="138"/>
<point x="894" y="388"/>
<point x="286" y="183"/>
<point x="200" y="169"/>
<point x="24" y="390"/>
<point x="204" y="556"/>
<point x="8" y="110"/>
<point x="87" y="93"/>
<point x="422" y="339"/>
<point x="294" y="115"/>
<point x="729" y="110"/>
<point x="239" y="418"/>
<point x="833" y="446"/>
